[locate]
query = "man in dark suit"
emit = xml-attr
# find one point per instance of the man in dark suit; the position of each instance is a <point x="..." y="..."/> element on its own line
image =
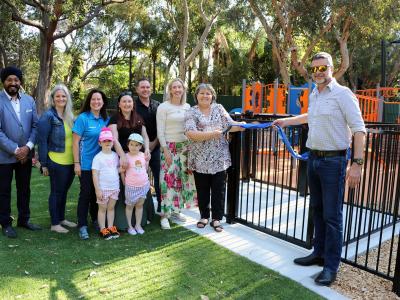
<point x="18" y="120"/>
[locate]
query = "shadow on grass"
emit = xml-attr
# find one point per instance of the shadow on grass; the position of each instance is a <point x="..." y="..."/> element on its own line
<point x="174" y="264"/>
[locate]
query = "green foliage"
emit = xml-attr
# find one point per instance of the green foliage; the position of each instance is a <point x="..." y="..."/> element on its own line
<point x="113" y="80"/>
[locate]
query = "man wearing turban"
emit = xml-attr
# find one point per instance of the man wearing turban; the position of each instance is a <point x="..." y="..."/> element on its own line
<point x="18" y="120"/>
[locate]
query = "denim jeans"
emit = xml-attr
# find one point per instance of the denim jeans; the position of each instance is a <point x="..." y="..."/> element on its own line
<point x="326" y="177"/>
<point x="61" y="178"/>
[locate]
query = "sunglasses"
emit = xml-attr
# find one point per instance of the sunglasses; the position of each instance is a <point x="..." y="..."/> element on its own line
<point x="319" y="69"/>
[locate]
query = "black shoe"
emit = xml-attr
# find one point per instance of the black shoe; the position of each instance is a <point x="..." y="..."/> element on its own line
<point x="326" y="277"/>
<point x="310" y="260"/>
<point x="29" y="226"/>
<point x="10" y="232"/>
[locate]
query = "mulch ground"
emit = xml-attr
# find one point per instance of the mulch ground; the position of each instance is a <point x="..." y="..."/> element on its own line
<point x="358" y="284"/>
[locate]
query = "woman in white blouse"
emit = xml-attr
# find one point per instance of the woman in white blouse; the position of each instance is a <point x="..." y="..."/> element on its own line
<point x="176" y="181"/>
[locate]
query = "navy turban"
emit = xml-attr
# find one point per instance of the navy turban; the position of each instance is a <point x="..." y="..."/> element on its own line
<point x="10" y="71"/>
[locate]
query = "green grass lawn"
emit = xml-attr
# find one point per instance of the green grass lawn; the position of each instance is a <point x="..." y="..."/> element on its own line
<point x="174" y="264"/>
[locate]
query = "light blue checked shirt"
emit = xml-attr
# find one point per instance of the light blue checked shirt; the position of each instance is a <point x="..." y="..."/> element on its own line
<point x="333" y="116"/>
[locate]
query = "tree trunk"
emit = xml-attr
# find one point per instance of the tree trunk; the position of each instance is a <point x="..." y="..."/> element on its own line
<point x="154" y="74"/>
<point x="3" y="57"/>
<point x="42" y="89"/>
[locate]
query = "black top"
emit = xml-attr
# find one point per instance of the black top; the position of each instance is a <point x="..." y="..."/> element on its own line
<point x="149" y="116"/>
<point x="124" y="132"/>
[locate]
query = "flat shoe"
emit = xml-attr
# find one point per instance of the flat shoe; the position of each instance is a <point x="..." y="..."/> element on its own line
<point x="29" y="226"/>
<point x="68" y="224"/>
<point x="201" y="224"/>
<point x="217" y="228"/>
<point x="165" y="224"/>
<point x="9" y="232"/>
<point x="59" y="229"/>
<point x="178" y="217"/>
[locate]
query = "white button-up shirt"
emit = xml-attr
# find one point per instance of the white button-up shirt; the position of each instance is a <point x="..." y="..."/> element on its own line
<point x="333" y="116"/>
<point x="16" y="104"/>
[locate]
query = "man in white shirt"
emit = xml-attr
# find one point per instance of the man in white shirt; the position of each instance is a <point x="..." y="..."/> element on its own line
<point x="18" y="120"/>
<point x="333" y="117"/>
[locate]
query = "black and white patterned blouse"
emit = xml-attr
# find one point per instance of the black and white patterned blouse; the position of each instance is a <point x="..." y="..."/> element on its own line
<point x="211" y="156"/>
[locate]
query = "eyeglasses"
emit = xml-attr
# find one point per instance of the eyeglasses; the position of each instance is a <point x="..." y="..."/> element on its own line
<point x="319" y="69"/>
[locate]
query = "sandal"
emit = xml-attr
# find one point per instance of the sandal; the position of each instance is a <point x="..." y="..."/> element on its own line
<point x="201" y="224"/>
<point x="217" y="228"/>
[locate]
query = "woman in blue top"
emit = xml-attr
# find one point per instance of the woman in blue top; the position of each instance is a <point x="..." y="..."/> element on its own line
<point x="86" y="130"/>
<point x="55" y="153"/>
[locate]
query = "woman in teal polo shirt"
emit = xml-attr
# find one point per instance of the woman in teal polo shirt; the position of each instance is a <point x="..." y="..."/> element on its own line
<point x="86" y="130"/>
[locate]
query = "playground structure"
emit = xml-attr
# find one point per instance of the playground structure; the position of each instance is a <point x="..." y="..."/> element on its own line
<point x="380" y="105"/>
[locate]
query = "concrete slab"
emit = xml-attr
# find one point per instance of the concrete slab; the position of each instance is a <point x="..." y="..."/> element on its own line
<point x="265" y="250"/>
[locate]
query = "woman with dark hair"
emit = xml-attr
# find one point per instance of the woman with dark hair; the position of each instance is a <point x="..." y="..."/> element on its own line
<point x="209" y="156"/>
<point x="125" y="122"/>
<point x="86" y="131"/>
<point x="55" y="153"/>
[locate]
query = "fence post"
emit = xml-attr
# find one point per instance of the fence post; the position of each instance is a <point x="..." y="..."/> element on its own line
<point x="276" y="85"/>
<point x="380" y="103"/>
<point x="396" y="277"/>
<point x="233" y="177"/>
<point x="243" y="94"/>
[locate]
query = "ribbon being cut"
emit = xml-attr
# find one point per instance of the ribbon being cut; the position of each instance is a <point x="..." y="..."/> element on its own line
<point x="281" y="135"/>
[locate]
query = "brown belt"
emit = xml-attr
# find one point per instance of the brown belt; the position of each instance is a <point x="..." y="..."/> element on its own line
<point x="320" y="153"/>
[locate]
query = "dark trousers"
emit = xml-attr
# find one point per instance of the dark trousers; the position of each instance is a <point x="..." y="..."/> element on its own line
<point x="326" y="177"/>
<point x="155" y="169"/>
<point x="87" y="199"/>
<point x="214" y="183"/>
<point x="23" y="181"/>
<point x="61" y="178"/>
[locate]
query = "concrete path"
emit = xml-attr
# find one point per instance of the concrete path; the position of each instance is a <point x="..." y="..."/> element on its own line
<point x="265" y="250"/>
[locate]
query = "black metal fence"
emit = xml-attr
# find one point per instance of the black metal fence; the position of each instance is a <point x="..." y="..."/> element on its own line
<point x="267" y="190"/>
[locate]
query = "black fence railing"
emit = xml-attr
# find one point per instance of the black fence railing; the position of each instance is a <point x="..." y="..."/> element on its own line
<point x="267" y="190"/>
<point x="371" y="214"/>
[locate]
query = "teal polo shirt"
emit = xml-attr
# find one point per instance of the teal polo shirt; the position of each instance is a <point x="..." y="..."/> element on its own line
<point x="88" y="127"/>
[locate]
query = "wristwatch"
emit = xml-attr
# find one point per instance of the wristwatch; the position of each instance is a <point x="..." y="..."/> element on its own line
<point x="358" y="161"/>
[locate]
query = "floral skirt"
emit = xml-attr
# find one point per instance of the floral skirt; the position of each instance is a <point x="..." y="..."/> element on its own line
<point x="176" y="181"/>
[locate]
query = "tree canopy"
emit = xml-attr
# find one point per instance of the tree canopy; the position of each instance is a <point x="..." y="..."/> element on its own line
<point x="110" y="43"/>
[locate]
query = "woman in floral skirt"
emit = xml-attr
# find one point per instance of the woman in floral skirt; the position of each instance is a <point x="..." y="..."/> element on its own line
<point x="176" y="181"/>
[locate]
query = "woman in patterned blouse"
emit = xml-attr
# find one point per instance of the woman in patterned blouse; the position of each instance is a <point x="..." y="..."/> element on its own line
<point x="209" y="155"/>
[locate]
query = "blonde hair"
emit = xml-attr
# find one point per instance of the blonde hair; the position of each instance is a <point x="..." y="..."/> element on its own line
<point x="68" y="115"/>
<point x="169" y="87"/>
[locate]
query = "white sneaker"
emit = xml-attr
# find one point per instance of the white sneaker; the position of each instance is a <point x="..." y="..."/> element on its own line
<point x="178" y="216"/>
<point x="68" y="223"/>
<point x="132" y="231"/>
<point x="165" y="223"/>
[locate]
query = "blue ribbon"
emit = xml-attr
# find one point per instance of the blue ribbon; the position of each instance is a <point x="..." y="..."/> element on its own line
<point x="281" y="135"/>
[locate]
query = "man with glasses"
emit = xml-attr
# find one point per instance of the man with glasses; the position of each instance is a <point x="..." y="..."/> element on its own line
<point x="333" y="117"/>
<point x="147" y="108"/>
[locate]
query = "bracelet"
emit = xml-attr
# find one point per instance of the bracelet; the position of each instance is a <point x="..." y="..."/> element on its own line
<point x="76" y="162"/>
